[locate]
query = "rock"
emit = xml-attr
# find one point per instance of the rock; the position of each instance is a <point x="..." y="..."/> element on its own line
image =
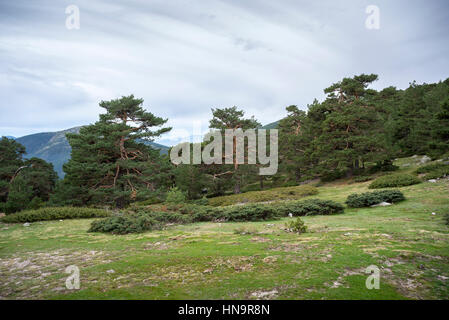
<point x="442" y="277"/>
<point x="415" y="156"/>
<point x="264" y="294"/>
<point x="382" y="204"/>
<point x="290" y="215"/>
<point x="433" y="213"/>
<point x="347" y="234"/>
<point x="406" y="165"/>
<point x="26" y="224"/>
<point x="61" y="220"/>
<point x="432" y="180"/>
<point x="269" y="259"/>
<point x="425" y="159"/>
<point x="110" y="271"/>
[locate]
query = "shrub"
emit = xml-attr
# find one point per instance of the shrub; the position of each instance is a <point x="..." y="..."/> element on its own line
<point x="310" y="207"/>
<point x="370" y="198"/>
<point x="385" y="166"/>
<point x="433" y="171"/>
<point x="446" y="217"/>
<point x="249" y="212"/>
<point x="363" y="178"/>
<point x="296" y="226"/>
<point x="175" y="196"/>
<point x="54" y="213"/>
<point x="285" y="193"/>
<point x="333" y="175"/>
<point x="125" y="223"/>
<point x="395" y="180"/>
<point x="201" y="202"/>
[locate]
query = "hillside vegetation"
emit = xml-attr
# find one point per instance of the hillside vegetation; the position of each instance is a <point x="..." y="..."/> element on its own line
<point x="408" y="241"/>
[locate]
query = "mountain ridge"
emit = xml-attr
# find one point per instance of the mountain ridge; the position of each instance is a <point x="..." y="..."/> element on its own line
<point x="54" y="147"/>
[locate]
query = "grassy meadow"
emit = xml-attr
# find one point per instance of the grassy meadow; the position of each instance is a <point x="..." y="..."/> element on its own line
<point x="406" y="241"/>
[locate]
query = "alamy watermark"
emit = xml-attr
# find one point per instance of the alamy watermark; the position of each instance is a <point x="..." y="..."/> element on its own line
<point x="73" y="19"/>
<point x="373" y="280"/>
<point x="234" y="149"/>
<point x="73" y="281"/>
<point x="372" y="22"/>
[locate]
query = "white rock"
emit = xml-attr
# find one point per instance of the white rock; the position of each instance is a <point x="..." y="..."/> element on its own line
<point x="432" y="180"/>
<point x="26" y="224"/>
<point x="433" y="213"/>
<point x="425" y="159"/>
<point x="382" y="204"/>
<point x="415" y="156"/>
<point x="110" y="271"/>
<point x="290" y="215"/>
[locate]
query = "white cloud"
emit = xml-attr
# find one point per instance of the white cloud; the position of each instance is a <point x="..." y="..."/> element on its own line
<point x="184" y="58"/>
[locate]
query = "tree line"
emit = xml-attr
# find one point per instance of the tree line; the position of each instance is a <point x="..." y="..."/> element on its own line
<point x="356" y="130"/>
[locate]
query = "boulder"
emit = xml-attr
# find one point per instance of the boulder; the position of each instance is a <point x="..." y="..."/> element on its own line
<point x="382" y="204"/>
<point x="425" y="159"/>
<point x="26" y="224"/>
<point x="432" y="180"/>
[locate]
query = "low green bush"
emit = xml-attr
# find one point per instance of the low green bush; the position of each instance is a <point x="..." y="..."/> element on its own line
<point x="370" y="198"/>
<point x="394" y="180"/>
<point x="157" y="216"/>
<point x="446" y="218"/>
<point x="249" y="212"/>
<point x="54" y="213"/>
<point x="125" y="223"/>
<point x="175" y="196"/>
<point x="285" y="193"/>
<point x="310" y="207"/>
<point x="433" y="171"/>
<point x="363" y="178"/>
<point x="296" y="226"/>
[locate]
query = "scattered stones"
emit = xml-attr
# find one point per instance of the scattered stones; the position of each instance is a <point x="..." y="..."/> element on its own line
<point x="208" y="270"/>
<point x="264" y="294"/>
<point x="444" y="278"/>
<point x="336" y="284"/>
<point x="382" y="204"/>
<point x="270" y="259"/>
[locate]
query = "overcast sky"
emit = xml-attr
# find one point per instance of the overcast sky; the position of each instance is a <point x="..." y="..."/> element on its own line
<point x="185" y="57"/>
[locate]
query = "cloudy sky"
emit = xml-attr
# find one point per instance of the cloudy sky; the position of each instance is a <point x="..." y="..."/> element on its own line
<point x="185" y="57"/>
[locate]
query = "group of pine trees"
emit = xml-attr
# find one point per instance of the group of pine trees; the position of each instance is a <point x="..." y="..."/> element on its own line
<point x="354" y="130"/>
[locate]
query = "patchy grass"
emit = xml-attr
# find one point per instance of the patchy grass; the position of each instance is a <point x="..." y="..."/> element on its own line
<point x="213" y="261"/>
<point x="275" y="194"/>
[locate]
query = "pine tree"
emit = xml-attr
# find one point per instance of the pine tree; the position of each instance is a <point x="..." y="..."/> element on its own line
<point x="232" y="118"/>
<point x="11" y="153"/>
<point x="110" y="162"/>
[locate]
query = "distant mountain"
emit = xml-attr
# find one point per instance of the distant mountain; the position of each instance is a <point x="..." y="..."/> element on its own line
<point x="273" y="125"/>
<point x="53" y="147"/>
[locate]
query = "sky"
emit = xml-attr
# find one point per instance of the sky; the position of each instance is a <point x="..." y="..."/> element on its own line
<point x="186" y="57"/>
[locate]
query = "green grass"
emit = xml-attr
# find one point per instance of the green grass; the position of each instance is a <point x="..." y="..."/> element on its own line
<point x="212" y="261"/>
